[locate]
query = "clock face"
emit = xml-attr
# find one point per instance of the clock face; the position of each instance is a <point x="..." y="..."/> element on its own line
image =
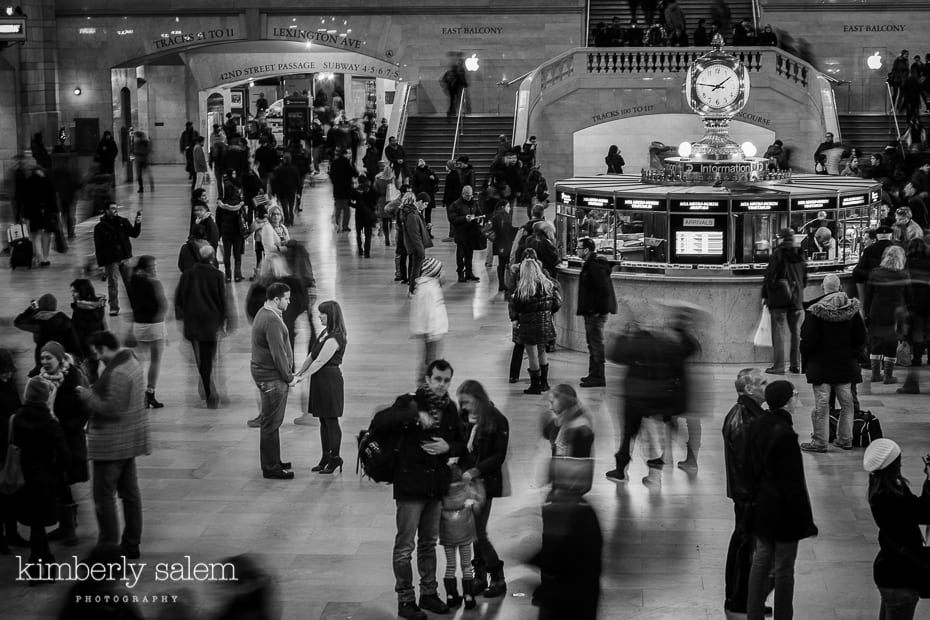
<point x="717" y="86"/>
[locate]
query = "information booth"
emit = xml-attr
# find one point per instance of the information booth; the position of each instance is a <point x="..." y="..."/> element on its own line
<point x="709" y="245"/>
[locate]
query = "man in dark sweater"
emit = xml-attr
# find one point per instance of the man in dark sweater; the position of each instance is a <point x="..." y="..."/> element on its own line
<point x="113" y="249"/>
<point x="596" y="300"/>
<point x="341" y="173"/>
<point x="432" y="433"/>
<point x="272" y="370"/>
<point x="200" y="302"/>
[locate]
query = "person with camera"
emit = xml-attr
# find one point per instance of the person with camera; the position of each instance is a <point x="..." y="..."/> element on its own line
<point x="899" y="570"/>
<point x="114" y="249"/>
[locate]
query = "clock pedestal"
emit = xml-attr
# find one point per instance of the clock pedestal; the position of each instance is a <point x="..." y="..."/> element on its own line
<point x="716" y="144"/>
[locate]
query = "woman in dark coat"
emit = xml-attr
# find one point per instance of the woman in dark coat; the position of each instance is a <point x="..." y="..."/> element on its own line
<point x="918" y="268"/>
<point x="614" y="160"/>
<point x="488" y="435"/>
<point x="228" y="212"/>
<point x="60" y="371"/>
<point x="46" y="323"/>
<point x="44" y="457"/>
<point x="9" y="403"/>
<point x="898" y="513"/>
<point x="504" y="232"/>
<point x="536" y="298"/>
<point x="106" y="153"/>
<point x="327" y="393"/>
<point x="87" y="312"/>
<point x="887" y="297"/>
<point x="363" y="200"/>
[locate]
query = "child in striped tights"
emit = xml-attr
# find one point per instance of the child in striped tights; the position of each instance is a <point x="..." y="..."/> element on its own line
<point x="457" y="535"/>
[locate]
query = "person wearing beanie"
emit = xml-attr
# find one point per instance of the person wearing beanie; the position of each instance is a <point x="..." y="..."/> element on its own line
<point x="44" y="456"/>
<point x="777" y="489"/>
<point x="832" y="336"/>
<point x="429" y="321"/>
<point x="64" y="377"/>
<point x="46" y="323"/>
<point x="899" y="514"/>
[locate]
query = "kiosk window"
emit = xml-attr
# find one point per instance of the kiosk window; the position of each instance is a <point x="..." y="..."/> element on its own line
<point x="598" y="224"/>
<point x="755" y="235"/>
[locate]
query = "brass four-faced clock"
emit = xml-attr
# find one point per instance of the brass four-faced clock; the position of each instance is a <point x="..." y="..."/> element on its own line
<point x="717" y="85"/>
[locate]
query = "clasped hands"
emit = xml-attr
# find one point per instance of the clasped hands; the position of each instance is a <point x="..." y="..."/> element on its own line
<point x="296" y="379"/>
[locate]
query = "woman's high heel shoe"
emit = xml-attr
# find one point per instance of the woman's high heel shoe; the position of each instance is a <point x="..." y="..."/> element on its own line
<point x="150" y="402"/>
<point x="332" y="464"/>
<point x="322" y="463"/>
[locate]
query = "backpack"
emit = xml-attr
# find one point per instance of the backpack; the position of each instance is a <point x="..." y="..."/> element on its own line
<point x="379" y="444"/>
<point x="866" y="428"/>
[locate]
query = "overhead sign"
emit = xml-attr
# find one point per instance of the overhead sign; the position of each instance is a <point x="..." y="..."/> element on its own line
<point x="806" y="204"/>
<point x="642" y="204"/>
<point x="707" y="206"/>
<point x="858" y="200"/>
<point x="12" y="29"/>
<point x="598" y="202"/>
<point x="759" y="204"/>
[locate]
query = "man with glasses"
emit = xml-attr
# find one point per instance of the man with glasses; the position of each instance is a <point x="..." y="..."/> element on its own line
<point x="596" y="300"/>
<point x="781" y="508"/>
<point x="826" y="145"/>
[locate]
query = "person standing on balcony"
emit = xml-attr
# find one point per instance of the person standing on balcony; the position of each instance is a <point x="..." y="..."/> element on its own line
<point x="675" y="22"/>
<point x="767" y="37"/>
<point x="700" y="36"/>
<point x="454" y="82"/>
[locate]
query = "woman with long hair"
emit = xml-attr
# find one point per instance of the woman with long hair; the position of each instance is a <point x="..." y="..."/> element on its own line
<point x="614" y="160"/>
<point x="887" y="295"/>
<point x="898" y="569"/>
<point x="149" y="308"/>
<point x="229" y="211"/>
<point x="274" y="233"/>
<point x="488" y="436"/>
<point x="64" y="377"/>
<point x="87" y="318"/>
<point x="327" y="392"/>
<point x="534" y="301"/>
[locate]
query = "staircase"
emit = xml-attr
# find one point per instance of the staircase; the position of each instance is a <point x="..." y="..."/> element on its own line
<point x="430" y="137"/>
<point x="605" y="10"/>
<point x="867" y="132"/>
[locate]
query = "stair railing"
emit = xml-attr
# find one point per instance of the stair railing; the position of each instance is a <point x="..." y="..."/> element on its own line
<point x="894" y="111"/>
<point x="458" y="123"/>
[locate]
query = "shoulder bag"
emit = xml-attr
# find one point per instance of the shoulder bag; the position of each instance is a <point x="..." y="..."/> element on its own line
<point x="11" y="476"/>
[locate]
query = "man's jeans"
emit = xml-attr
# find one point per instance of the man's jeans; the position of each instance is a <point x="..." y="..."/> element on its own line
<point x="273" y="396"/>
<point x="791" y="320"/>
<point x="820" y="417"/>
<point x="594" y="336"/>
<point x="342" y="213"/>
<point x="766" y="554"/>
<point x="112" y="478"/>
<point x="420" y="518"/>
<point x="114" y="270"/>
<point x="898" y="603"/>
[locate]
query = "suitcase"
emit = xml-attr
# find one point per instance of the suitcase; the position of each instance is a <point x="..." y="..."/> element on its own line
<point x="21" y="254"/>
<point x="16" y="232"/>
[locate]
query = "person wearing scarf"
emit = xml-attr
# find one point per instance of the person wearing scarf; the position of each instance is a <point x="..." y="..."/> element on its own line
<point x="63" y="376"/>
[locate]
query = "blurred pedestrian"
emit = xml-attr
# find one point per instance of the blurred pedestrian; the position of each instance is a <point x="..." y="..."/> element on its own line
<point x="43" y="319"/>
<point x="149" y="309"/>
<point x="887" y="296"/>
<point x="9" y="404"/>
<point x="429" y="321"/>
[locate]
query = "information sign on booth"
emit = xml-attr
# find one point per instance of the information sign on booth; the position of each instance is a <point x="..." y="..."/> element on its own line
<point x="699" y="206"/>
<point x="699" y="239"/>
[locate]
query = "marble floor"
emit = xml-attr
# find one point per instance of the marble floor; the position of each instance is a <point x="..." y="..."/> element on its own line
<point x="328" y="539"/>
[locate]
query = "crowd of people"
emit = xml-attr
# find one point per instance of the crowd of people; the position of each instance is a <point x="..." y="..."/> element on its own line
<point x="83" y="415"/>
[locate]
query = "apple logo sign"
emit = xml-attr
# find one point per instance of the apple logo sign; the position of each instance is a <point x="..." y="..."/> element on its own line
<point x="874" y="61"/>
<point x="471" y="64"/>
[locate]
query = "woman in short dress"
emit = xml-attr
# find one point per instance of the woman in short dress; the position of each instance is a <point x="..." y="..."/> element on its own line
<point x="149" y="307"/>
<point x="326" y="387"/>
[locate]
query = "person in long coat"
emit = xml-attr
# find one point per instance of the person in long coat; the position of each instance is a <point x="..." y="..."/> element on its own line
<point x="64" y="375"/>
<point x="200" y="303"/>
<point x="887" y="296"/>
<point x="43" y="319"/>
<point x="44" y="457"/>
<point x="87" y="318"/>
<point x="9" y="403"/>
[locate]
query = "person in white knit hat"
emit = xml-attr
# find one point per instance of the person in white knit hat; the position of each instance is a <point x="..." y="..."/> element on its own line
<point x="428" y="318"/>
<point x="900" y="567"/>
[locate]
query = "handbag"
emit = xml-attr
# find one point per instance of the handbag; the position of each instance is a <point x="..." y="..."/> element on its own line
<point x="487" y="229"/>
<point x="780" y="294"/>
<point x="11" y="476"/>
<point x="904" y="355"/>
<point x="763" y="336"/>
<point x="244" y="227"/>
<point x="573" y="475"/>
